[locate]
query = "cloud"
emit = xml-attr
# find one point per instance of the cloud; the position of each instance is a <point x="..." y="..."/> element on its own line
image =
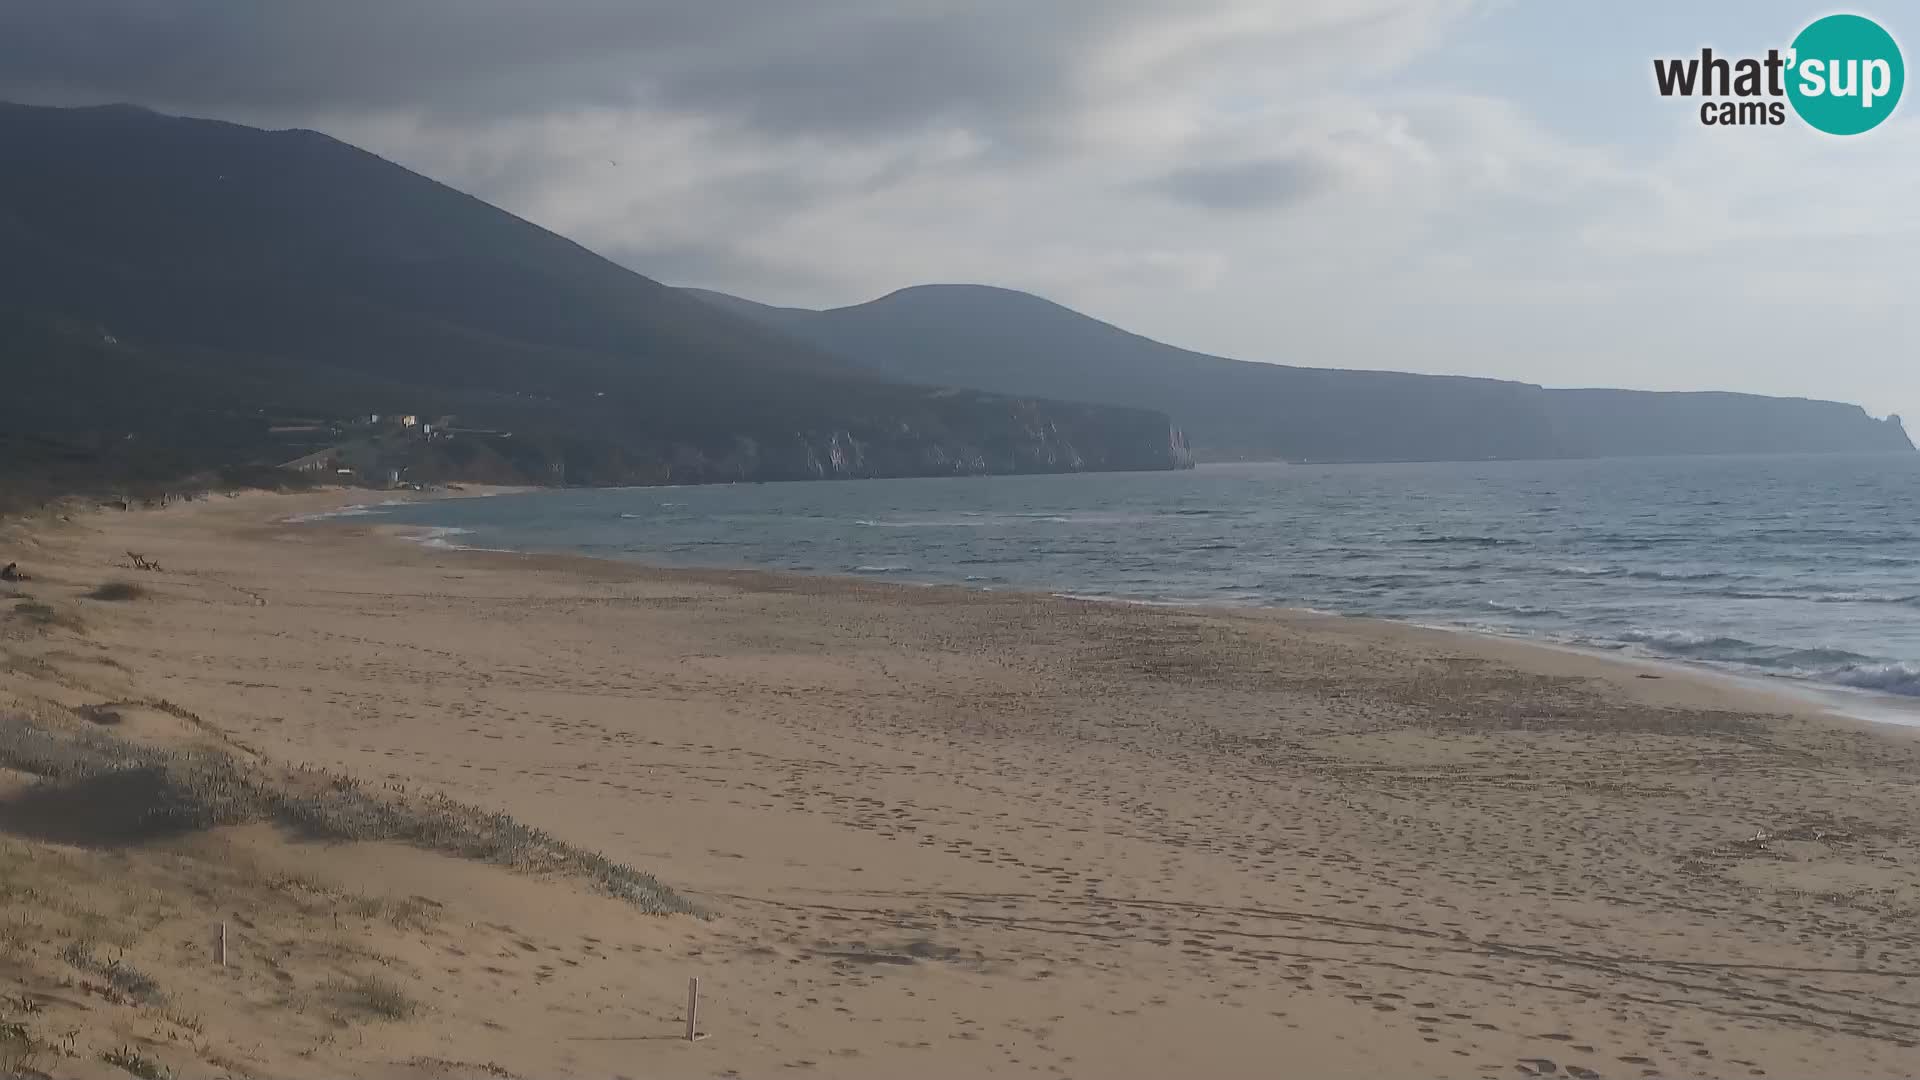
<point x="857" y="66"/>
<point x="1260" y="184"/>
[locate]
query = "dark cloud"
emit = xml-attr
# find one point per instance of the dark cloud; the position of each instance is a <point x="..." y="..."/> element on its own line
<point x="856" y="65"/>
<point x="1263" y="184"/>
<point x="336" y="54"/>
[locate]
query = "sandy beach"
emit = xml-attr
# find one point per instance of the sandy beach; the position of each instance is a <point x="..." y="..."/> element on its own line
<point x="948" y="833"/>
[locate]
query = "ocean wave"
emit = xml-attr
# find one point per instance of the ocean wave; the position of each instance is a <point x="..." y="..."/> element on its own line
<point x="1909" y="600"/>
<point x="1886" y="678"/>
<point x="1132" y="601"/>
<point x="1684" y="641"/>
<point x="1807" y="661"/>
<point x="1675" y="575"/>
<point x="1619" y="540"/>
<point x="438" y="537"/>
<point x="1803" y="662"/>
<point x="1526" y="611"/>
<point x="325" y="515"/>
<point x="1816" y="596"/>
<point x="878" y="569"/>
<point x="356" y="510"/>
<point x="1849" y="537"/>
<point x="1382" y="581"/>
<point x="1465" y="541"/>
<point x="1589" y="571"/>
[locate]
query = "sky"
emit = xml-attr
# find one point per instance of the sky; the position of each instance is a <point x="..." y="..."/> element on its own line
<point x="1484" y="187"/>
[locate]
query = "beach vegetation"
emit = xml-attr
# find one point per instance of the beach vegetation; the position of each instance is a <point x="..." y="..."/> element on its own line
<point x="44" y="616"/>
<point x="118" y="592"/>
<point x="102" y="788"/>
<point x="374" y="994"/>
<point x="130" y="1060"/>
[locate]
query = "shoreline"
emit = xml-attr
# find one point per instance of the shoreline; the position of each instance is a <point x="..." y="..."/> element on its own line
<point x="1884" y="713"/>
<point x="944" y="832"/>
<point x="1888" y="713"/>
<point x="1844" y="702"/>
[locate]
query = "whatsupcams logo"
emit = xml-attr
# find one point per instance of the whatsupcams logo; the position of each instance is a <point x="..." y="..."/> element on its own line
<point x="1842" y="75"/>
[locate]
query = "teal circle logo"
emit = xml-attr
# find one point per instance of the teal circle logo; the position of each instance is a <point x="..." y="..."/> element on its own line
<point x="1845" y="74"/>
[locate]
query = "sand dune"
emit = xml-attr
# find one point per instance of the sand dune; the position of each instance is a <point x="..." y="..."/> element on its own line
<point x="951" y="834"/>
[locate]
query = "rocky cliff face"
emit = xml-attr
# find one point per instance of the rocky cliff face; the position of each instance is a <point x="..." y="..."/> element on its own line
<point x="954" y="434"/>
<point x="991" y="436"/>
<point x="1038" y="441"/>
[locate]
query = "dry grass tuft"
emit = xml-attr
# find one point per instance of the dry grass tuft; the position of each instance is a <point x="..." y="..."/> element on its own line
<point x="108" y="789"/>
<point x="19" y="1051"/>
<point x="123" y="977"/>
<point x="133" y="982"/>
<point x="381" y="997"/>
<point x="17" y="933"/>
<point x="45" y="616"/>
<point x="118" y="592"/>
<point x="131" y="1060"/>
<point x="403" y="913"/>
<point x="105" y="714"/>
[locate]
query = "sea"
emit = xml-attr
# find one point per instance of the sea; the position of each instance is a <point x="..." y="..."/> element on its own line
<point x="1805" y="568"/>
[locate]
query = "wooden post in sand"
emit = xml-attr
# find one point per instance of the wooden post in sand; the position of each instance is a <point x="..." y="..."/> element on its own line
<point x="693" y="1009"/>
<point x="220" y="946"/>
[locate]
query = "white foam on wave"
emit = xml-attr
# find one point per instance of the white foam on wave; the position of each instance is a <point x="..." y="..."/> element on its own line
<point x="1131" y="601"/>
<point x="356" y="510"/>
<point x="1670" y="639"/>
<point x="1527" y="611"/>
<point x="1894" y="677"/>
<point x="1910" y="599"/>
<point x="438" y="537"/>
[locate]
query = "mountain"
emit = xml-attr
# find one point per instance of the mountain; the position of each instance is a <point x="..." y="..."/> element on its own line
<point x="177" y="289"/>
<point x="1015" y="343"/>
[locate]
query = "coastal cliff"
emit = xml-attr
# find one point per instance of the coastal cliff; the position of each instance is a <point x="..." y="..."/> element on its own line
<point x="955" y="435"/>
<point x="1015" y="343"/>
<point x="1594" y="423"/>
